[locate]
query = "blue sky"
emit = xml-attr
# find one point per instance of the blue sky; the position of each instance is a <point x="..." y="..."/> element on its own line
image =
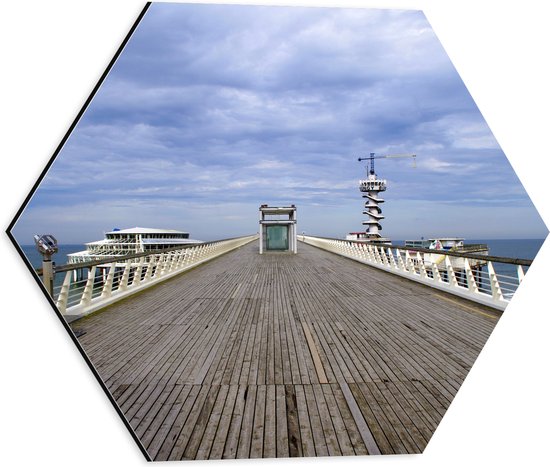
<point x="213" y="110"/>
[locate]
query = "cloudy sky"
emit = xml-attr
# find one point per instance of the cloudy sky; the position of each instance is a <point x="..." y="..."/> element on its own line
<point x="211" y="111"/>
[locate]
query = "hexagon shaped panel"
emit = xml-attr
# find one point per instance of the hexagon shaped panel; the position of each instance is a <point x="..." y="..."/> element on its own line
<point x="354" y="333"/>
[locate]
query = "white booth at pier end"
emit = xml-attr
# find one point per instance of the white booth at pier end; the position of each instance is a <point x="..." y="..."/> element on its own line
<point x="278" y="228"/>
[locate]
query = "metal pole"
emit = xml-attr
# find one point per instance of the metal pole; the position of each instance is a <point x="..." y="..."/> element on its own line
<point x="47" y="246"/>
<point x="47" y="274"/>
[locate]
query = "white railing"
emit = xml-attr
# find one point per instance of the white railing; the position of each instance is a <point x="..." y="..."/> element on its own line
<point x="480" y="284"/>
<point x="120" y="277"/>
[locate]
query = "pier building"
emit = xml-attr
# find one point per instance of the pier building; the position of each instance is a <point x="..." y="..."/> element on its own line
<point x="278" y="228"/>
<point x="121" y="242"/>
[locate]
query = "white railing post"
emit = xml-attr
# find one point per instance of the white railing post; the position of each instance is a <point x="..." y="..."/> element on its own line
<point x="181" y="258"/>
<point x="108" y="286"/>
<point x="378" y="254"/>
<point x="89" y="287"/>
<point x="169" y="262"/>
<point x="186" y="256"/>
<point x="521" y="273"/>
<point x="421" y="266"/>
<point x="435" y="272"/>
<point x="200" y="252"/>
<point x="496" y="291"/>
<point x="123" y="284"/>
<point x="192" y="254"/>
<point x="175" y="261"/>
<point x="138" y="272"/>
<point x="63" y="296"/>
<point x="392" y="258"/>
<point x="400" y="262"/>
<point x="383" y="258"/>
<point x="163" y="264"/>
<point x="409" y="266"/>
<point x="361" y="251"/>
<point x="367" y="252"/>
<point x="451" y="276"/>
<point x="150" y="266"/>
<point x="470" y="279"/>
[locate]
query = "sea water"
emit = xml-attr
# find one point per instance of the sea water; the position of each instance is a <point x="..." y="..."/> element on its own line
<point x="59" y="258"/>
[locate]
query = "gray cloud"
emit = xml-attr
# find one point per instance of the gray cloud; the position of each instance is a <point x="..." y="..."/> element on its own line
<point x="239" y="105"/>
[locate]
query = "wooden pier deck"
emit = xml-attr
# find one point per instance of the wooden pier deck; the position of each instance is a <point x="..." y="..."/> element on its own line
<point x="285" y="355"/>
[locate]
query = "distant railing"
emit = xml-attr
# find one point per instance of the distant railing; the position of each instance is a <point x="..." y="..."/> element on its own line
<point x="88" y="287"/>
<point x="474" y="280"/>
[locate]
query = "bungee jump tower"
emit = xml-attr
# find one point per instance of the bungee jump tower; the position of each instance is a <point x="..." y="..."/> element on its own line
<point x="370" y="188"/>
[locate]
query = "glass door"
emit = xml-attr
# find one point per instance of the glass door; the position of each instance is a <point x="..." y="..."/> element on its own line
<point x="277" y="237"/>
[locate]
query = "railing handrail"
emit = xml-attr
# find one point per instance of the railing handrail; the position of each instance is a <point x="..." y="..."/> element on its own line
<point x="495" y="259"/>
<point x="464" y="277"/>
<point x="112" y="258"/>
<point x="122" y="277"/>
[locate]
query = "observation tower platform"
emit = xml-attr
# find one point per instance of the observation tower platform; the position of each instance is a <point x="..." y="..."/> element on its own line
<point x="271" y="355"/>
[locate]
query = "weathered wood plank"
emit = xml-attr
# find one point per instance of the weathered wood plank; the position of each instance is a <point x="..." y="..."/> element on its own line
<point x="308" y="444"/>
<point x="257" y="442"/>
<point x="340" y="425"/>
<point x="270" y="423"/>
<point x="362" y="415"/>
<point x="201" y="423"/>
<point x="153" y="439"/>
<point x="319" y="440"/>
<point x="352" y="427"/>
<point x="211" y="426"/>
<point x="175" y="442"/>
<point x="321" y="375"/>
<point x="245" y="435"/>
<point x="281" y="423"/>
<point x="293" y="424"/>
<point x="326" y="421"/>
<point x="233" y="434"/>
<point x="220" y="439"/>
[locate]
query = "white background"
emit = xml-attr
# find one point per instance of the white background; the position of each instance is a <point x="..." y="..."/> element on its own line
<point x="52" y="408"/>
